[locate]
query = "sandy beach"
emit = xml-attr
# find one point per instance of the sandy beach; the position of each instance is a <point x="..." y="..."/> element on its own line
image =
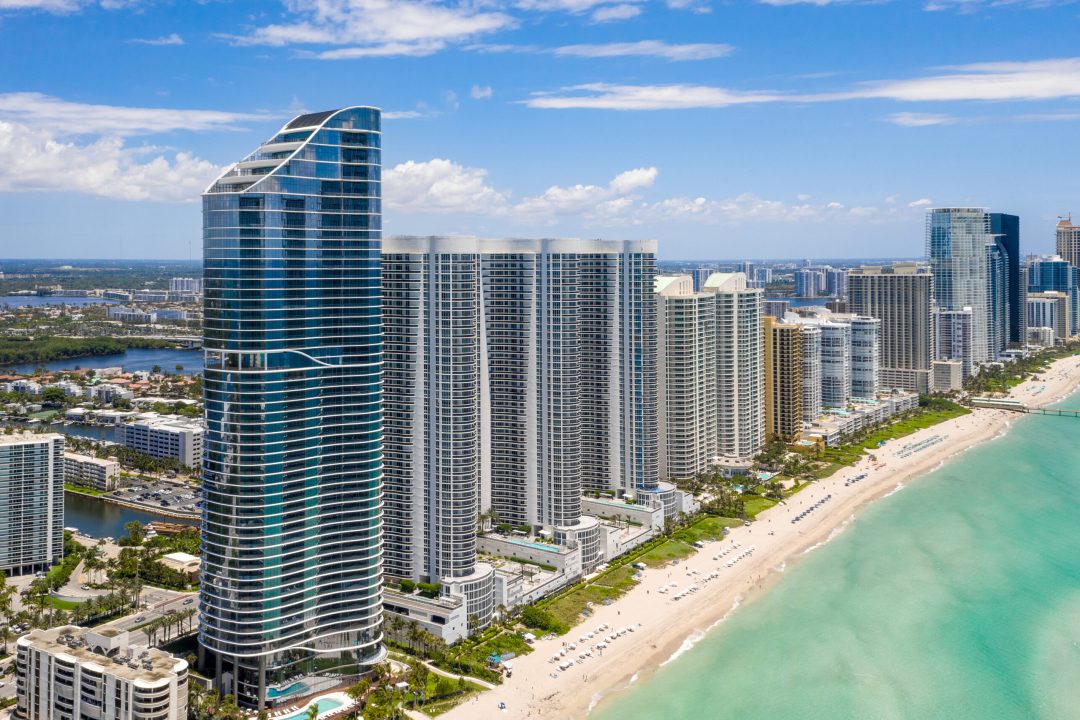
<point x="664" y="627"/>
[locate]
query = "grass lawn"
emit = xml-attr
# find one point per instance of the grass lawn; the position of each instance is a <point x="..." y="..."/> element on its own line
<point x="828" y="470"/>
<point x="63" y="604"/>
<point x="663" y="554"/>
<point x="83" y="490"/>
<point x="755" y="504"/>
<point x="707" y="528"/>
<point x="912" y="425"/>
<point x="838" y="457"/>
<point x="439" y="706"/>
<point x="621" y="578"/>
<point x="567" y="609"/>
<point x="500" y="645"/>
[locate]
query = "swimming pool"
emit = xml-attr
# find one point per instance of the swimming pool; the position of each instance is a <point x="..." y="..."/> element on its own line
<point x="274" y="693"/>
<point x="533" y="545"/>
<point x="325" y="705"/>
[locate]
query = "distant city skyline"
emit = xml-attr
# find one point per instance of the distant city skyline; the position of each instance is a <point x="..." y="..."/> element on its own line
<point x="714" y="128"/>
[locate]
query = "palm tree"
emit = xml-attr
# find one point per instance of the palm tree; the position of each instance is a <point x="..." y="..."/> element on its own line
<point x="413" y="635"/>
<point x="358" y="690"/>
<point x="312" y="712"/>
<point x="396" y="624"/>
<point x="6" y="593"/>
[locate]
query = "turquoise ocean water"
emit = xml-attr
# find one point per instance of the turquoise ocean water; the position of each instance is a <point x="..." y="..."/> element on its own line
<point x="956" y="598"/>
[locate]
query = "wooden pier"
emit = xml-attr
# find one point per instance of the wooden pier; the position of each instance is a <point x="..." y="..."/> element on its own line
<point x="1019" y="407"/>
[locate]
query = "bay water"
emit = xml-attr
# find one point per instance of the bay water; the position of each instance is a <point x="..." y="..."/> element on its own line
<point x="957" y="597"/>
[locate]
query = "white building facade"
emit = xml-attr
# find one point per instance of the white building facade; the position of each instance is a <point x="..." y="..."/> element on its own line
<point x="91" y="472"/>
<point x="165" y="436"/>
<point x="71" y="673"/>
<point x="31" y="502"/>
<point x="740" y="363"/>
<point x="686" y="355"/>
<point x="517" y="374"/>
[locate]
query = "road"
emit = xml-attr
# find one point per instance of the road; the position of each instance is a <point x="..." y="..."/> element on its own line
<point x="157" y="603"/>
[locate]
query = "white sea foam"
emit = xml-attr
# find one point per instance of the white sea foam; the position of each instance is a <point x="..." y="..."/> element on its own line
<point x="634" y="678"/>
<point x="688" y="644"/>
<point x="899" y="486"/>
<point x="835" y="532"/>
<point x="698" y="635"/>
<point x="594" y="701"/>
<point x="781" y="567"/>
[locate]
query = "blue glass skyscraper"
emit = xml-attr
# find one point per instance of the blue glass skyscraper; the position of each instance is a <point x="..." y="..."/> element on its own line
<point x="956" y="240"/>
<point x="1006" y="230"/>
<point x="291" y="599"/>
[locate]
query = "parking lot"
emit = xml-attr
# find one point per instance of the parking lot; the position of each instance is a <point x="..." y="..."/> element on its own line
<point x="162" y="496"/>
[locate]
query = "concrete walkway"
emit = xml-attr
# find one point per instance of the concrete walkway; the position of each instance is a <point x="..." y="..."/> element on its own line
<point x="439" y="671"/>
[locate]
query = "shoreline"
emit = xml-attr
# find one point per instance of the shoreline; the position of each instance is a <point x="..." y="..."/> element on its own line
<point x="665" y="629"/>
<point x="134" y="506"/>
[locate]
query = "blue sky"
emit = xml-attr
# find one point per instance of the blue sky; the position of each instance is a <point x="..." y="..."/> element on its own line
<point x="724" y="129"/>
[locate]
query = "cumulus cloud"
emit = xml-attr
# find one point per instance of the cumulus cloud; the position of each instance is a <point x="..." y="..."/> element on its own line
<point x="440" y="186"/>
<point x="584" y="199"/>
<point x="50" y="144"/>
<point x="33" y="159"/>
<point x="443" y="186"/>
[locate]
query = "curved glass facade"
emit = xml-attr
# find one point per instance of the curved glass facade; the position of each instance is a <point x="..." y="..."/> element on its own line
<point x="292" y="549"/>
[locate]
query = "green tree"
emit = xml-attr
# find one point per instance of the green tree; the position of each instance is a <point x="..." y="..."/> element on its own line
<point x="7" y="592"/>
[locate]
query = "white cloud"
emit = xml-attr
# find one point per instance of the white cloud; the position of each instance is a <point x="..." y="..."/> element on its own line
<point x="963" y="6"/>
<point x="401" y="114"/>
<point x="33" y="159"/>
<point x="700" y="7"/>
<point x="378" y="27"/>
<point x="1031" y="80"/>
<point x="606" y="96"/>
<point x="440" y="186"/>
<point x="909" y="119"/>
<point x="394" y="49"/>
<point x="171" y="39"/>
<point x="444" y="187"/>
<point x="574" y="7"/>
<point x="63" y="6"/>
<point x="481" y="92"/>
<point x="647" y="48"/>
<point x="970" y="6"/>
<point x="586" y="199"/>
<point x="615" y="13"/>
<point x="819" y="3"/>
<point x="72" y="118"/>
<point x="994" y="81"/>
<point x="921" y="202"/>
